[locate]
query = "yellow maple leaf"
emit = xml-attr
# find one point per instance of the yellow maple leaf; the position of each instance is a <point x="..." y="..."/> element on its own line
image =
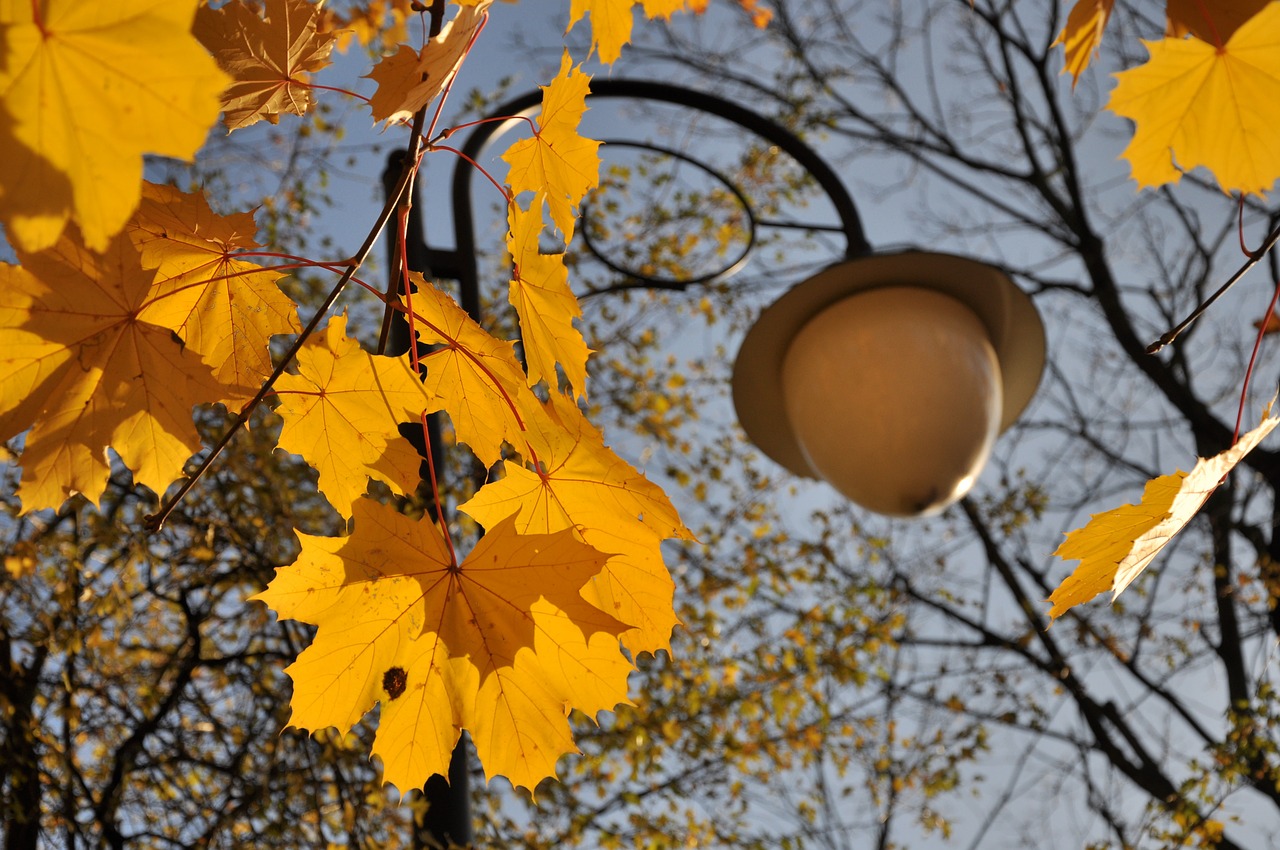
<point x="544" y="302"/>
<point x="341" y="413"/>
<point x="610" y="25"/>
<point x="580" y="483"/>
<point x="268" y="59"/>
<point x="502" y="645"/>
<point x="661" y="9"/>
<point x="225" y="309"/>
<point x="384" y="19"/>
<point x="83" y="371"/>
<point x="1214" y="22"/>
<point x="85" y="90"/>
<point x="1117" y="545"/>
<point x="1197" y="104"/>
<point x="410" y="79"/>
<point x="1082" y="34"/>
<point x="557" y="161"/>
<point x="473" y="377"/>
<point x="611" y="20"/>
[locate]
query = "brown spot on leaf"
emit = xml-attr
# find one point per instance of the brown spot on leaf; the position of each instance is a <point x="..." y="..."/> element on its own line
<point x="394" y="680"/>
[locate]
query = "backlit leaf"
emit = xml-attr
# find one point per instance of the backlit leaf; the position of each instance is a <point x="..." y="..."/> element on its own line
<point x="473" y="377"/>
<point x="557" y="161"/>
<point x="610" y="25"/>
<point x="83" y="371"/>
<point x="85" y="91"/>
<point x="225" y="309"/>
<point x="341" y="413"/>
<point x="661" y="9"/>
<point x="544" y="302"/>
<point x="611" y="20"/>
<point x="383" y="19"/>
<point x="1082" y="34"/>
<point x="410" y="79"/>
<point x="1212" y="21"/>
<point x="269" y="59"/>
<point x="580" y="483"/>
<point x="1117" y="545"/>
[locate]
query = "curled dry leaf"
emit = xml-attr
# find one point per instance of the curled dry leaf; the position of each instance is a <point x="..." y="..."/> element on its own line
<point x="410" y="79"/>
<point x="1082" y="35"/>
<point x="1117" y="545"/>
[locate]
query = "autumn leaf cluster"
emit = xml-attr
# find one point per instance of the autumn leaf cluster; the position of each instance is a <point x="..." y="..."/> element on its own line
<point x="133" y="304"/>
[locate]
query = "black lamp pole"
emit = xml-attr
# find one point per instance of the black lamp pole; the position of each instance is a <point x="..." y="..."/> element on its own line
<point x="448" y="819"/>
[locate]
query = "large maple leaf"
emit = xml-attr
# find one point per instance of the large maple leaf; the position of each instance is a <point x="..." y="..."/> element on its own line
<point x="1117" y="545"/>
<point x="558" y="161"/>
<point x="340" y="414"/>
<point x="579" y="483"/>
<point x="1198" y="104"/>
<point x="269" y="59"/>
<point x="410" y="79"/>
<point x="544" y="302"/>
<point x="471" y="375"/>
<point x="503" y="645"/>
<point x="83" y="370"/>
<point x="85" y="90"/>
<point x="224" y="308"/>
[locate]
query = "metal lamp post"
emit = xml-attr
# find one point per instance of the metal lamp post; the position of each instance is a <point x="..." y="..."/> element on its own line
<point x="888" y="375"/>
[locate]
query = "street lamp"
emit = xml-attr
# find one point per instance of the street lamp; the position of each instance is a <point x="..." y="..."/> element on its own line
<point x="888" y="375"/>
<point x="894" y="374"/>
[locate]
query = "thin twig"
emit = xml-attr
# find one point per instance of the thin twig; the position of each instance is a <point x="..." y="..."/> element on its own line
<point x="154" y="522"/>
<point x="400" y="264"/>
<point x="1254" y="258"/>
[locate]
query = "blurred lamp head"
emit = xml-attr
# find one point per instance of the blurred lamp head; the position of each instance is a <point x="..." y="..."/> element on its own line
<point x="890" y="376"/>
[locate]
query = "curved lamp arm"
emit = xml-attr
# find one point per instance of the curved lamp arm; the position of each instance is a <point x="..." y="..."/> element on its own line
<point x="460" y="262"/>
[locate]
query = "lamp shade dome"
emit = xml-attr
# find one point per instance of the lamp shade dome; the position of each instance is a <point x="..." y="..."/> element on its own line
<point x="890" y="376"/>
<point x="894" y="396"/>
